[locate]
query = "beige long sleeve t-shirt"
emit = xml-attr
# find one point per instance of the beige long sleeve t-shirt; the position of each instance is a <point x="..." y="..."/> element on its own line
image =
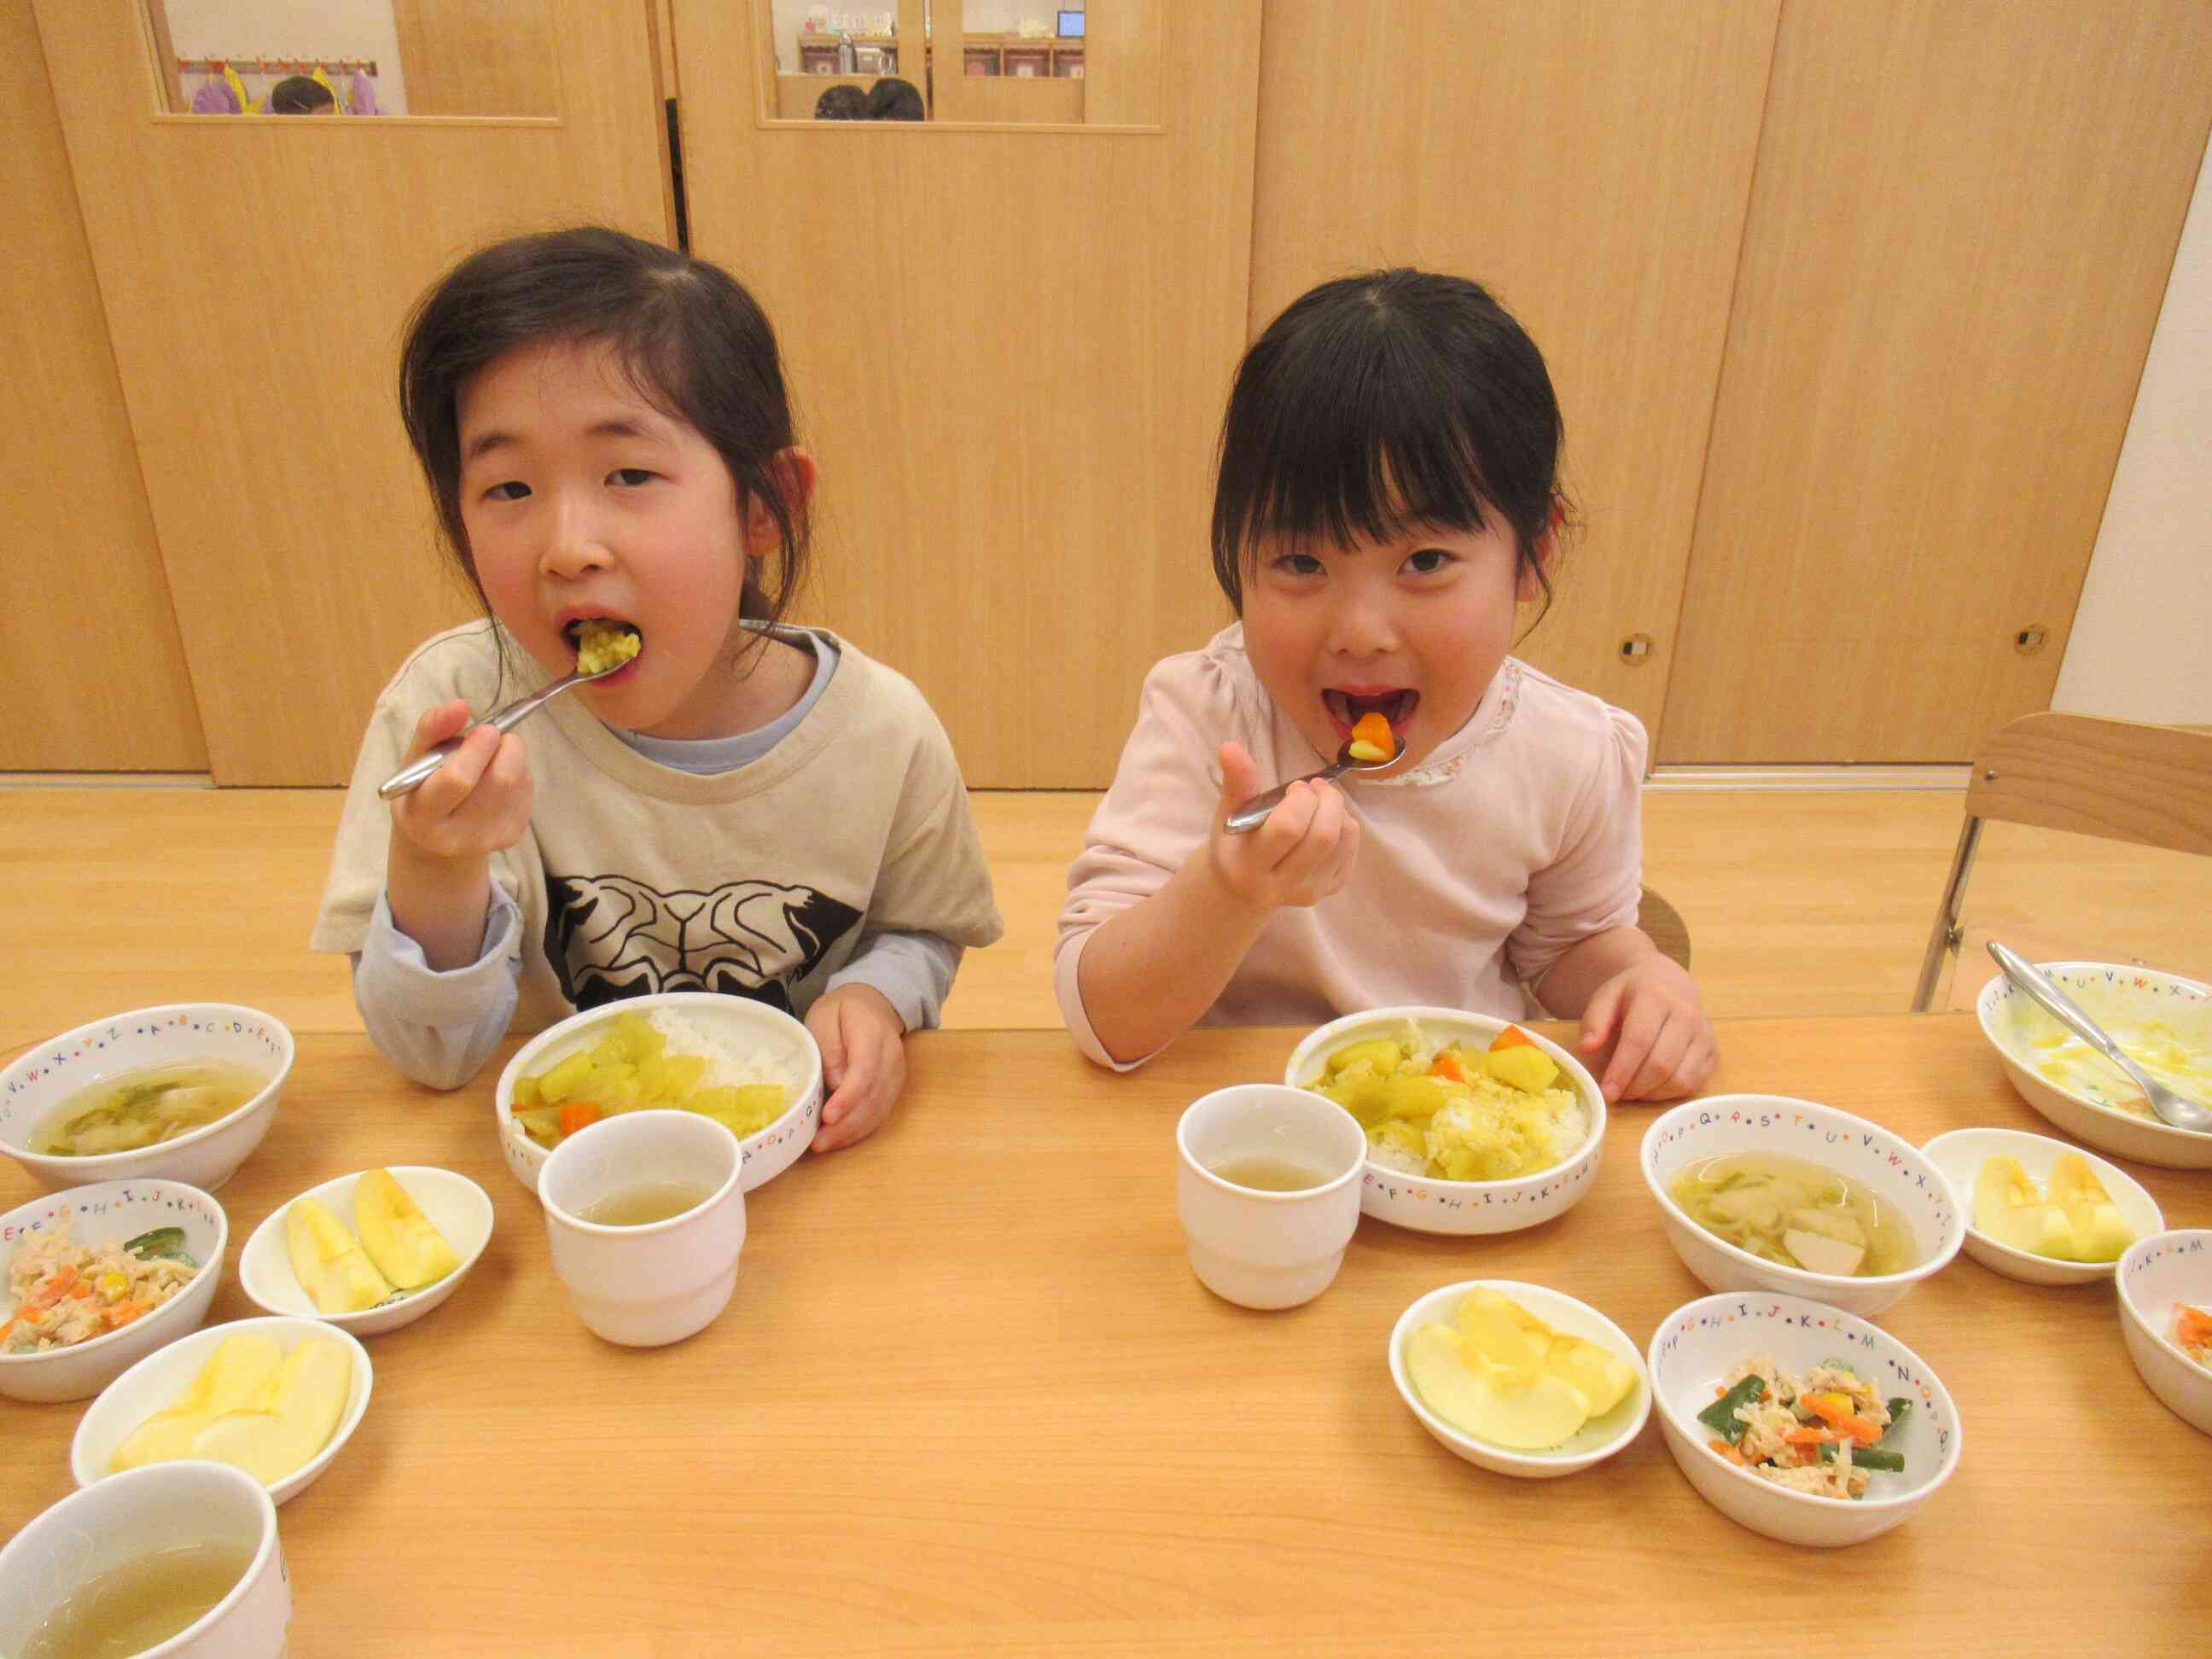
<point x="635" y="876"/>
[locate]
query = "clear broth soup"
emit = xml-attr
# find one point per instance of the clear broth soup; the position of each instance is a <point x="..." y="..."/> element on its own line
<point x="1795" y="1212"/>
<point x="646" y="1203"/>
<point x="140" y="1604"/>
<point x="121" y="1114"/>
<point x="1270" y="1172"/>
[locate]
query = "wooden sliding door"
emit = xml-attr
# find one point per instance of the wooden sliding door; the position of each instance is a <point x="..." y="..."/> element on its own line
<point x="1010" y="329"/>
<point x="256" y="270"/>
<point x="90" y="661"/>
<point x="1590" y="163"/>
<point x="1959" y="235"/>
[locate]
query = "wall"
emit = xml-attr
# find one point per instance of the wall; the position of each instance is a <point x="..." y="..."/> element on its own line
<point x="292" y="28"/>
<point x="2138" y="649"/>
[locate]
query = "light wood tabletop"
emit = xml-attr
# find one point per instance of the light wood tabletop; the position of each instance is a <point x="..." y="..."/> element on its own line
<point x="968" y="1399"/>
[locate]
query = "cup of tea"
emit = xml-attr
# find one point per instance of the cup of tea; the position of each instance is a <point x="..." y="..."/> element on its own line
<point x="645" y="1214"/>
<point x="1267" y="1190"/>
<point x="179" y="1561"/>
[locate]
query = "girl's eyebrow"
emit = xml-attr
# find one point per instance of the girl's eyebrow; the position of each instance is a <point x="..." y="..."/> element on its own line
<point x="484" y="442"/>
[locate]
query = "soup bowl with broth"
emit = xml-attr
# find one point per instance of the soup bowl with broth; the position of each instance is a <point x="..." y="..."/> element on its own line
<point x="1822" y="1172"/>
<point x="171" y="1560"/>
<point x="153" y="1071"/>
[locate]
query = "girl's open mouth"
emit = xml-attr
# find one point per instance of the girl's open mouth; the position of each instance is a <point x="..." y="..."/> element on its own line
<point x="1395" y="706"/>
<point x="605" y="646"/>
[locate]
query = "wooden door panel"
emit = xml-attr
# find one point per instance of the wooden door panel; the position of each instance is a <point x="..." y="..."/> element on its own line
<point x="1958" y="240"/>
<point x="256" y="272"/>
<point x="91" y="664"/>
<point x="1009" y="347"/>
<point x="1590" y="164"/>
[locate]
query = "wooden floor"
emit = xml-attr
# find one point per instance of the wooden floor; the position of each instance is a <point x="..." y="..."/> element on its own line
<point x="1816" y="901"/>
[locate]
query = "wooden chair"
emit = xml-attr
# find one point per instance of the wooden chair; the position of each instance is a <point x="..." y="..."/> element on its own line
<point x="1664" y="923"/>
<point x="2147" y="785"/>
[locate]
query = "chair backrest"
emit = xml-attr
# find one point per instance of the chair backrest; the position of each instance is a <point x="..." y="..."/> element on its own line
<point x="1664" y="923"/>
<point x="2151" y="785"/>
<point x="2147" y="785"/>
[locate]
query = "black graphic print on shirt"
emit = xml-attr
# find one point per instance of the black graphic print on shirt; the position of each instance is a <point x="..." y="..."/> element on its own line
<point x="611" y="937"/>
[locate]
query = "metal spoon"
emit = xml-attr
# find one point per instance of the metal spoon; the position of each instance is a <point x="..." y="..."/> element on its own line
<point x="2169" y="1107"/>
<point x="411" y="776"/>
<point x="1254" y="813"/>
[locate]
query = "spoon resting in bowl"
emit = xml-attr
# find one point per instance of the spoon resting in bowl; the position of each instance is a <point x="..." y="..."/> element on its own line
<point x="2170" y="1108"/>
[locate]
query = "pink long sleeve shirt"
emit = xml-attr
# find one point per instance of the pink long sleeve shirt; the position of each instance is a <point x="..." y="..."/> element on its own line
<point x="1518" y="838"/>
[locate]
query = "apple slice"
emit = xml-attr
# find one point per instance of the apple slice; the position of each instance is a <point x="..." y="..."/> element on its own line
<point x="1519" y="1410"/>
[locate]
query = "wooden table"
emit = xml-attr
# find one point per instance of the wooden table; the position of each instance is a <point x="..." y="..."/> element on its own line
<point x="968" y="1399"/>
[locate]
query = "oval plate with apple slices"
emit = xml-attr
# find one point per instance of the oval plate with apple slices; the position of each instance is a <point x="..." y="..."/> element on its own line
<point x="165" y="1379"/>
<point x="459" y="1210"/>
<point x="1598" y="1438"/>
<point x="1960" y="1157"/>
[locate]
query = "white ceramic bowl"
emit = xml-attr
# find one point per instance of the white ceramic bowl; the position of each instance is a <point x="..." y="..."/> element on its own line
<point x="1596" y="1441"/>
<point x="2115" y="997"/>
<point x="41" y="1079"/>
<point x="1961" y="1154"/>
<point x="2155" y="1273"/>
<point x="129" y="1517"/>
<point x="1895" y="1171"/>
<point x="458" y="1208"/>
<point x="1429" y="1205"/>
<point x="768" y="1153"/>
<point x="112" y="1212"/>
<point x="1696" y="1346"/>
<point x="160" y="1379"/>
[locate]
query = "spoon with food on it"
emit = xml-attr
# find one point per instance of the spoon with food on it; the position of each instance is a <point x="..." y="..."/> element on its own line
<point x="1372" y="747"/>
<point x="602" y="647"/>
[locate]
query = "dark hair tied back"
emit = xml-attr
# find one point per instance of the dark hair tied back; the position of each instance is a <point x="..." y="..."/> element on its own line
<point x="695" y="345"/>
<point x="1379" y="403"/>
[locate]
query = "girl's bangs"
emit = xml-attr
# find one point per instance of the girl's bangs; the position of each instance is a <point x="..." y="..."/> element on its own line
<point x="1377" y="481"/>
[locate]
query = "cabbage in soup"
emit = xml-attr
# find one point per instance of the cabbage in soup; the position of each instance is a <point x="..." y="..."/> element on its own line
<point x="132" y="1109"/>
<point x="1795" y="1212"/>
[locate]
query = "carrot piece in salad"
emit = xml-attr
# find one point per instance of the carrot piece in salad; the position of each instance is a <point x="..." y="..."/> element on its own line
<point x="1447" y="1065"/>
<point x="1836" y="1410"/>
<point x="1511" y="1037"/>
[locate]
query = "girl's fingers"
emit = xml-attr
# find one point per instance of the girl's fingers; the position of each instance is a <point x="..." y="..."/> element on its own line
<point x="1599" y="1017"/>
<point x="447" y="720"/>
<point x="1240" y="778"/>
<point x="1640" y="1029"/>
<point x="1285" y="831"/>
<point x="1661" y="1064"/>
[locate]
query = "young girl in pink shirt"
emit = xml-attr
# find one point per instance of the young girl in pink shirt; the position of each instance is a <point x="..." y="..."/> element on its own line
<point x="1389" y="495"/>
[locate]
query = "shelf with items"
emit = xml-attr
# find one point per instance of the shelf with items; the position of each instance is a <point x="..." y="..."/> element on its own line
<point x="872" y="54"/>
<point x="1021" y="57"/>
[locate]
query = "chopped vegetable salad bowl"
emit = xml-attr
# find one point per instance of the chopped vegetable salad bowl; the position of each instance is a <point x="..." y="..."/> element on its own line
<point x="1700" y="1347"/>
<point x="41" y="1079"/>
<point x="164" y="1220"/>
<point x="2160" y="1278"/>
<point x="1391" y="1189"/>
<point x="594" y="1063"/>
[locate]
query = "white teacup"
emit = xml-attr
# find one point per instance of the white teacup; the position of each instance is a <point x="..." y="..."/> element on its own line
<point x="1260" y="1248"/>
<point x="661" y="1282"/>
<point x="141" y="1512"/>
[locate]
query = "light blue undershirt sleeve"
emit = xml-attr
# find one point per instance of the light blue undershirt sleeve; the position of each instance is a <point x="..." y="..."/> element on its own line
<point x="912" y="970"/>
<point x="440" y="1027"/>
<point x="437" y="1028"/>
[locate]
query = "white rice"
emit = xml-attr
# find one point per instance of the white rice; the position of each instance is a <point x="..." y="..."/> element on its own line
<point x="731" y="1059"/>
